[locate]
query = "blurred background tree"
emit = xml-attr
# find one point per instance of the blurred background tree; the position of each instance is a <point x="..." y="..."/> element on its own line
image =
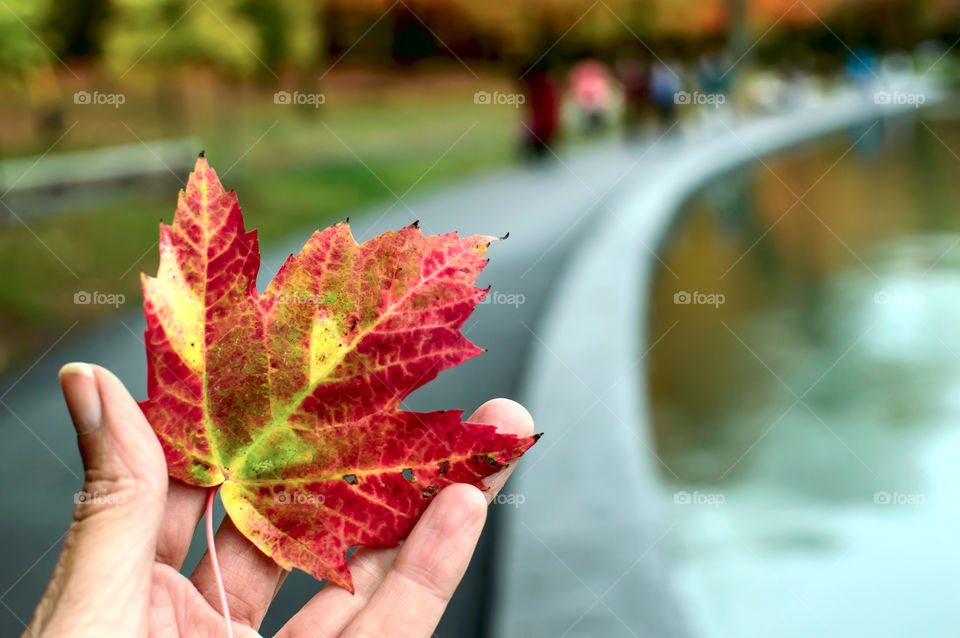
<point x="26" y="61"/>
<point x="263" y="40"/>
<point x="21" y="51"/>
<point x="163" y="35"/>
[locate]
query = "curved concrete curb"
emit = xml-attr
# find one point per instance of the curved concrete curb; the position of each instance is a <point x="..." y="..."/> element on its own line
<point x="584" y="555"/>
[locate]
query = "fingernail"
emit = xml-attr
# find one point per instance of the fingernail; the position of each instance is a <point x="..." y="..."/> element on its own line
<point x="82" y="396"/>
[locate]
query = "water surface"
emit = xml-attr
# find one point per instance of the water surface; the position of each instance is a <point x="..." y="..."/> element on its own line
<point x="807" y="398"/>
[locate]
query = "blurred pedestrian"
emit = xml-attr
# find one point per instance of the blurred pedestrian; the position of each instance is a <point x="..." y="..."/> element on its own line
<point x="634" y="76"/>
<point x="860" y="68"/>
<point x="591" y="85"/>
<point x="543" y="115"/>
<point x="665" y="87"/>
<point x="714" y="73"/>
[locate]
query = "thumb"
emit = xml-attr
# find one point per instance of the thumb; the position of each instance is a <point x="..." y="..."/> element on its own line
<point x="101" y="584"/>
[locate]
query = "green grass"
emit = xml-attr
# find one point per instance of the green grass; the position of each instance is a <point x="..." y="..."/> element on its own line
<point x="310" y="170"/>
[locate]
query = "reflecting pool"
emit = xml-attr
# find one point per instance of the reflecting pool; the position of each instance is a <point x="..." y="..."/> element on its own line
<point x="805" y="388"/>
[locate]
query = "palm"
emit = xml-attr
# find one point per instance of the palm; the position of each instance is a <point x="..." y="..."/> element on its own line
<point x="119" y="573"/>
<point x="383" y="577"/>
<point x="177" y="609"/>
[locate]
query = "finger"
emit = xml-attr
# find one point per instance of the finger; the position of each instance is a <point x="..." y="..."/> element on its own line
<point x="250" y="577"/>
<point x="428" y="568"/>
<point x="329" y="611"/>
<point x="102" y="578"/>
<point x="333" y="608"/>
<point x="183" y="512"/>
<point x="510" y="418"/>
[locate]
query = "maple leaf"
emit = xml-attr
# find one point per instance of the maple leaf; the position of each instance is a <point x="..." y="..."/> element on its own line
<point x="290" y="399"/>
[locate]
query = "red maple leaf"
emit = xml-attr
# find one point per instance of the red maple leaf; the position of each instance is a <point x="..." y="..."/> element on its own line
<point x="289" y="400"/>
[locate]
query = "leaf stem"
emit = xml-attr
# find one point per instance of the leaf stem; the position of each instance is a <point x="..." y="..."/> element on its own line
<point x="215" y="564"/>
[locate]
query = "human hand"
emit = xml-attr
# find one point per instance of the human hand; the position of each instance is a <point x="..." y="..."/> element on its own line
<point x="118" y="573"/>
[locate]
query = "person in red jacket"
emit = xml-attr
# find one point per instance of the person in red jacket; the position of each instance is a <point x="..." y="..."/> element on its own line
<point x="543" y="98"/>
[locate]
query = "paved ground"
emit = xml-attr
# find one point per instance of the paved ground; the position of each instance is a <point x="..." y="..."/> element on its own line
<point x="546" y="209"/>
